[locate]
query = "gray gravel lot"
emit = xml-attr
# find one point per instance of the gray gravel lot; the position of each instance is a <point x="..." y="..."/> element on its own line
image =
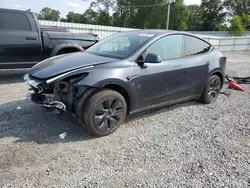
<point x="185" y="145"/>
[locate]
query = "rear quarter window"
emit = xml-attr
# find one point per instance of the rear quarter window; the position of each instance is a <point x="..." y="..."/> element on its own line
<point x="14" y="21"/>
<point x="195" y="46"/>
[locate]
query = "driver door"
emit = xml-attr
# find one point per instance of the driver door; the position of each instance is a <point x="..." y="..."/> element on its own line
<point x="162" y="82"/>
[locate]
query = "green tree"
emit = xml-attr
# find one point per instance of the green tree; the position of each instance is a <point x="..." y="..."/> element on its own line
<point x="213" y="15"/>
<point x="195" y="18"/>
<point x="120" y="17"/>
<point x="179" y="16"/>
<point x="246" y="20"/>
<point x="104" y="18"/>
<point x="107" y="4"/>
<point x="64" y="20"/>
<point x="90" y="16"/>
<point x="129" y="13"/>
<point x="223" y="27"/>
<point x="136" y="13"/>
<point x="237" y="7"/>
<point x="237" y="27"/>
<point x="49" y="14"/>
<point x="74" y="17"/>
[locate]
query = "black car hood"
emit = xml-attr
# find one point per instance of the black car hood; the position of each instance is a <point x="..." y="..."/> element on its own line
<point x="65" y="63"/>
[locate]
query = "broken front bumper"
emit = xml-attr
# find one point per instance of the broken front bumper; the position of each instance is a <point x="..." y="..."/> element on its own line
<point x="32" y="82"/>
<point x="46" y="100"/>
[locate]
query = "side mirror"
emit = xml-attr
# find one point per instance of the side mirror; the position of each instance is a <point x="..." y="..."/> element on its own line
<point x="152" y="58"/>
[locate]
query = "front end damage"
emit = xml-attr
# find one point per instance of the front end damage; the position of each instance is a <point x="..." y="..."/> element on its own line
<point x="58" y="95"/>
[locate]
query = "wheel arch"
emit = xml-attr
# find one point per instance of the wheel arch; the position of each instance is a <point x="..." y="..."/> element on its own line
<point x="88" y="92"/>
<point x="61" y="47"/>
<point x="117" y="84"/>
<point x="214" y="72"/>
<point x="219" y="73"/>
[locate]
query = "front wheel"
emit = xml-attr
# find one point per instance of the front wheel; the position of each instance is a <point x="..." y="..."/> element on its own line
<point x="104" y="112"/>
<point x="212" y="89"/>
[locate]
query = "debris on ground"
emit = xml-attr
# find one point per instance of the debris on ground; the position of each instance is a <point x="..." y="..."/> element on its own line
<point x="225" y="93"/>
<point x="63" y="135"/>
<point x="240" y="80"/>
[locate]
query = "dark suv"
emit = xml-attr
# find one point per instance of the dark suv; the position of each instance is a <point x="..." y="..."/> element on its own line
<point x="126" y="73"/>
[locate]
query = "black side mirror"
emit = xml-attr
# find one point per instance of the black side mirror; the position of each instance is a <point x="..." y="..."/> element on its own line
<point x="152" y="58"/>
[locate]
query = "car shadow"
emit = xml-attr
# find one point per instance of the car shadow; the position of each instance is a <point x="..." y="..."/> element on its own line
<point x="148" y="113"/>
<point x="33" y="123"/>
<point x="12" y="76"/>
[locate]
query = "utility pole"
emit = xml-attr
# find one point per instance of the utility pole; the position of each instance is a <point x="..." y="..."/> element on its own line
<point x="169" y="4"/>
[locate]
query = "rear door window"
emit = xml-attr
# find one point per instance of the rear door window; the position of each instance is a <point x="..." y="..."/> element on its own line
<point x="14" y="21"/>
<point x="195" y="46"/>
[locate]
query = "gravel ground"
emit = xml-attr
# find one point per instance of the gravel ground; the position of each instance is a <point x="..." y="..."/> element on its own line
<point x="185" y="145"/>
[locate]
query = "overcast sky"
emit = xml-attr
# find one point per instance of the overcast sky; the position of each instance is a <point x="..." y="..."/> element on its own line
<point x="64" y="6"/>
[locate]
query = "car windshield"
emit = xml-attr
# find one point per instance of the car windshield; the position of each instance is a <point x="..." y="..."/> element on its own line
<point x="121" y="45"/>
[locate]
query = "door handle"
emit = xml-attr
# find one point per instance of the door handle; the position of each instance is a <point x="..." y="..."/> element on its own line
<point x="30" y="38"/>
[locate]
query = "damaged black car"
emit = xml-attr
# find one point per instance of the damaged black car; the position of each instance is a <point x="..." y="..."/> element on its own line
<point x="127" y="73"/>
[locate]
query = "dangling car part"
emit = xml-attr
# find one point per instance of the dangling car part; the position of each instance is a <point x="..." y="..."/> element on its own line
<point x="127" y="73"/>
<point x="240" y="80"/>
<point x="46" y="101"/>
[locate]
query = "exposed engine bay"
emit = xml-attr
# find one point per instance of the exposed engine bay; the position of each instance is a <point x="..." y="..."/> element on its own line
<point x="58" y="96"/>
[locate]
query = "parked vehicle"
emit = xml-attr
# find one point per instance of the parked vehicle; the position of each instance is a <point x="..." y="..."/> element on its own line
<point x="23" y="43"/>
<point x="126" y="73"/>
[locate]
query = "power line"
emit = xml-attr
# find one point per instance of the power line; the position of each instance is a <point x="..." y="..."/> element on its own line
<point x="135" y="6"/>
<point x="142" y="6"/>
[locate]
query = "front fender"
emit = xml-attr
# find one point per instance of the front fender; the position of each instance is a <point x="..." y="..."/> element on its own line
<point x="104" y="74"/>
<point x="100" y="79"/>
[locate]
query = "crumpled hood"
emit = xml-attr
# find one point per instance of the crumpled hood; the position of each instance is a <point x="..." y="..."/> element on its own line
<point x="64" y="63"/>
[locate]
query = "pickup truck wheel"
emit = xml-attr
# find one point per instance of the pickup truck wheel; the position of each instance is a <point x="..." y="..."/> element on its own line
<point x="104" y="112"/>
<point x="212" y="89"/>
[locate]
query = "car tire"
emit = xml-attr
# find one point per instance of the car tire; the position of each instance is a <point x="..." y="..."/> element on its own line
<point x="103" y="112"/>
<point x="212" y="90"/>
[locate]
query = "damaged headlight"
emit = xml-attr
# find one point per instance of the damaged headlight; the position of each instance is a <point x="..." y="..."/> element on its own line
<point x="66" y="75"/>
<point x="76" y="78"/>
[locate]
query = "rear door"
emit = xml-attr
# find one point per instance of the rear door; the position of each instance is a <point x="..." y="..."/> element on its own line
<point x="20" y="42"/>
<point x="197" y="61"/>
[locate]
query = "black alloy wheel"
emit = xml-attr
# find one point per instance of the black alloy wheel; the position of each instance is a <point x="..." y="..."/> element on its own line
<point x="104" y="112"/>
<point x="108" y="114"/>
<point x="212" y="90"/>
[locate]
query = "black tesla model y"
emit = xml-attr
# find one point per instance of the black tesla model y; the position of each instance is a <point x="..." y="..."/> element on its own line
<point x="126" y="73"/>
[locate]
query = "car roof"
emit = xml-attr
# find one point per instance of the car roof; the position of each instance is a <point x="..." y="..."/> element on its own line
<point x="159" y="32"/>
<point x="16" y="10"/>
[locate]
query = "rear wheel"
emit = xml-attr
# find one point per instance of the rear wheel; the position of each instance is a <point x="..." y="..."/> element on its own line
<point x="104" y="112"/>
<point x="212" y="89"/>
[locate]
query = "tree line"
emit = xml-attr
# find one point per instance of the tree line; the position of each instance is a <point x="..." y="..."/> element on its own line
<point x="210" y="15"/>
